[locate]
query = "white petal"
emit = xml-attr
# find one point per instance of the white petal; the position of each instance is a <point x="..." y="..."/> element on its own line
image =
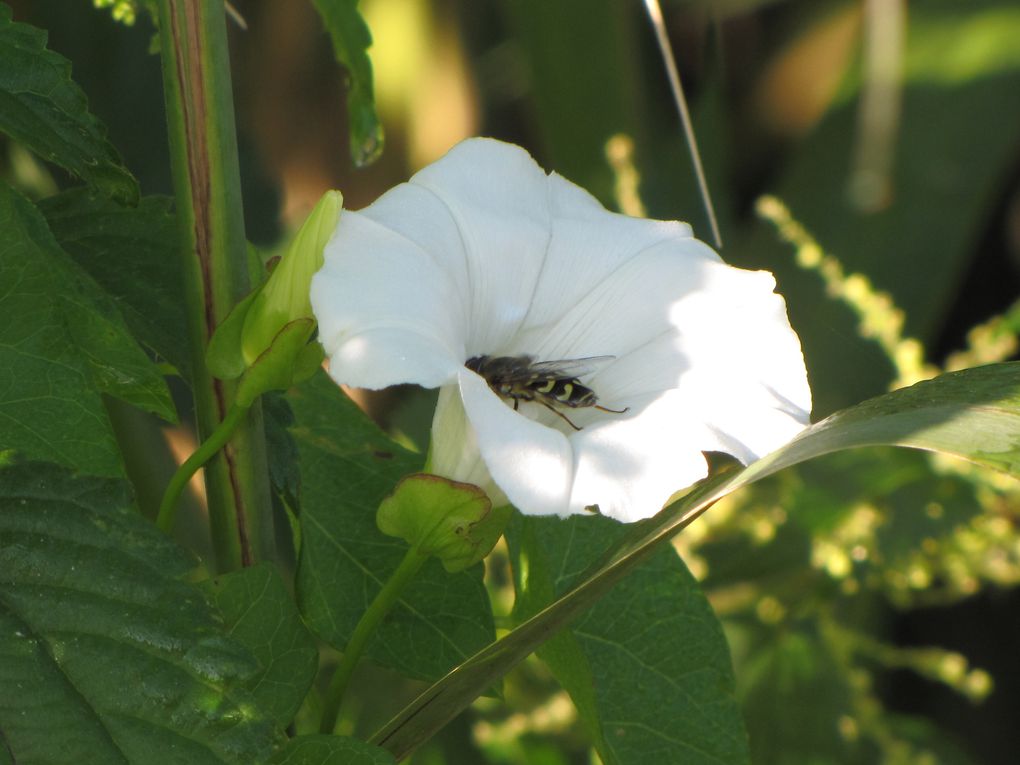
<point x="630" y="466"/>
<point x="498" y="197"/>
<point x="588" y="248"/>
<point x="746" y="368"/>
<point x="629" y="307"/>
<point x="530" y="462"/>
<point x="387" y="313"/>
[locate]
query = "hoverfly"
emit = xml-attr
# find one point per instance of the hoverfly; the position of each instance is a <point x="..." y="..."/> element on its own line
<point x="549" y="383"/>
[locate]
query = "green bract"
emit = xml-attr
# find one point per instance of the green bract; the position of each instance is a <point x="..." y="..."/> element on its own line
<point x="453" y="521"/>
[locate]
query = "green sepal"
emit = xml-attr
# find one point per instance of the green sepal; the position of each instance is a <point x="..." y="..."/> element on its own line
<point x="453" y="521"/>
<point x="288" y="360"/>
<point x="223" y="355"/>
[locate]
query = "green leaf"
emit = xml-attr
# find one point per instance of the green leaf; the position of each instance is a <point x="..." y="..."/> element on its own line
<point x="62" y="344"/>
<point x="537" y="582"/>
<point x="330" y="750"/>
<point x="132" y="253"/>
<point x="351" y="41"/>
<point x="43" y="109"/>
<point x="261" y="615"/>
<point x="347" y="468"/>
<point x="648" y="664"/>
<point x="974" y="414"/>
<point x="107" y="653"/>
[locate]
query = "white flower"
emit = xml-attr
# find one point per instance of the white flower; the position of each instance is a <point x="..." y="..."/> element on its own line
<point x="482" y="253"/>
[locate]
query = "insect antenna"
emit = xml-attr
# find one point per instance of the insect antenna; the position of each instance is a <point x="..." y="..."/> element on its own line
<point x="614" y="411"/>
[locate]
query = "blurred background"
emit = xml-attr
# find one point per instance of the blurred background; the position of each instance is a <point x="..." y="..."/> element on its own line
<point x="870" y="598"/>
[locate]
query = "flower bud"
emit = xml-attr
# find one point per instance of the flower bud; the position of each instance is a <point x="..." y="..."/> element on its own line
<point x="284" y="297"/>
<point x="265" y="336"/>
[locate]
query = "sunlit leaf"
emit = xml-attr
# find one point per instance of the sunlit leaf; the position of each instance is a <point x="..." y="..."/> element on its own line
<point x="647" y="665"/>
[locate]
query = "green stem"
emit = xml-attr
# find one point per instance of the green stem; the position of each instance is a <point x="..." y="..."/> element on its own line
<point x="381" y="606"/>
<point x="206" y="451"/>
<point x="207" y="187"/>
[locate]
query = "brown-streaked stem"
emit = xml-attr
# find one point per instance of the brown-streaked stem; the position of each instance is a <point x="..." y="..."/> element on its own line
<point x="214" y="263"/>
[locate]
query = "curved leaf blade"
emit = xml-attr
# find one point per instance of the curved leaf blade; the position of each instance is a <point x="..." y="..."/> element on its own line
<point x="42" y="108"/>
<point x="973" y="414"/>
<point x="351" y="41"/>
<point x="131" y="252"/>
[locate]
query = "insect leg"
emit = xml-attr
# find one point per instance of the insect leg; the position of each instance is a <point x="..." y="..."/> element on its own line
<point x="556" y="411"/>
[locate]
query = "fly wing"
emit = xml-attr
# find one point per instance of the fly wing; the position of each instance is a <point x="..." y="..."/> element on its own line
<point x="569" y="369"/>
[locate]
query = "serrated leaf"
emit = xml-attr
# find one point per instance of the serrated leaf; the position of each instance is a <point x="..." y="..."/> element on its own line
<point x="351" y="41"/>
<point x="107" y="654"/>
<point x="44" y="110"/>
<point x="974" y="414"/>
<point x="347" y="467"/>
<point x="62" y="344"/>
<point x="648" y="663"/>
<point x="330" y="750"/>
<point x="261" y="615"/>
<point x="131" y="252"/>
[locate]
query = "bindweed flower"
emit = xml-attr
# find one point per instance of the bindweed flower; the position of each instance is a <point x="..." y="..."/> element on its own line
<point x="663" y="351"/>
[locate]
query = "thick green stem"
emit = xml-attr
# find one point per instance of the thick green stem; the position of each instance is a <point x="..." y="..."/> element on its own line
<point x="203" y="150"/>
<point x="381" y="606"/>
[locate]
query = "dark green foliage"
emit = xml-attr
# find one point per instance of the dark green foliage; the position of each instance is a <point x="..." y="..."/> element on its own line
<point x="108" y="654"/>
<point x="62" y="344"/>
<point x="347" y="467"/>
<point x="260" y="614"/>
<point x="44" y="110"/>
